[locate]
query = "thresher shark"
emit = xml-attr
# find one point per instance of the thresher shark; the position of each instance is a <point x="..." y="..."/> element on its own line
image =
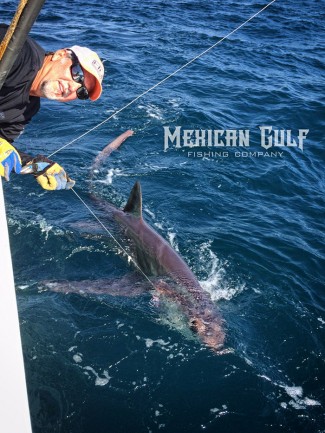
<point x="169" y="275"/>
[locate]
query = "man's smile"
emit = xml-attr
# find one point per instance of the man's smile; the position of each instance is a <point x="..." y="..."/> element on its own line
<point x="63" y="90"/>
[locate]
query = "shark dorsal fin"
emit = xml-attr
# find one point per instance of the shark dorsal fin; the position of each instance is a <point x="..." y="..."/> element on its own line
<point x="134" y="204"/>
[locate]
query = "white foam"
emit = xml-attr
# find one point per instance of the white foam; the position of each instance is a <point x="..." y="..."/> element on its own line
<point x="112" y="172"/>
<point x="45" y="227"/>
<point x="158" y="225"/>
<point x="72" y="348"/>
<point x="160" y="342"/>
<point x="172" y="241"/>
<point x="152" y="111"/>
<point x="297" y="401"/>
<point x="23" y="287"/>
<point x="30" y="220"/>
<point x="214" y="410"/>
<point x="216" y="283"/>
<point x="77" y="358"/>
<point x="296" y="405"/>
<point x="99" y="381"/>
<point x="103" y="381"/>
<point x="219" y="412"/>
<point x="174" y="102"/>
<point x="310" y="402"/>
<point x="294" y="391"/>
<point x="264" y="377"/>
<point x="80" y="249"/>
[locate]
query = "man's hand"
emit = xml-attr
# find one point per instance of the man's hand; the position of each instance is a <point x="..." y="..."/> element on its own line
<point x="49" y="174"/>
<point x="9" y="159"/>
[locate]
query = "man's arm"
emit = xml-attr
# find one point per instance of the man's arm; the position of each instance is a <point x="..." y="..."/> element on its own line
<point x="11" y="131"/>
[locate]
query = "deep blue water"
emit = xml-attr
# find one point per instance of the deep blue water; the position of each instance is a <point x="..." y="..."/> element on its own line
<point x="251" y="226"/>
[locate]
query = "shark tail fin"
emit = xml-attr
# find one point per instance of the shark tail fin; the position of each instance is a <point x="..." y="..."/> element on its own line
<point x="134" y="203"/>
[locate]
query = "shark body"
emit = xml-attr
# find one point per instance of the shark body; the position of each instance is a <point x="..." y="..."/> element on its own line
<point x="169" y="275"/>
<point x="156" y="258"/>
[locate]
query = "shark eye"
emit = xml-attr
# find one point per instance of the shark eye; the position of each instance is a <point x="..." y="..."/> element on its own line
<point x="194" y="326"/>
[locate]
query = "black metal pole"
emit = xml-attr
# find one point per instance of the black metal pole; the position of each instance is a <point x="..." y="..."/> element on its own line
<point x="27" y="19"/>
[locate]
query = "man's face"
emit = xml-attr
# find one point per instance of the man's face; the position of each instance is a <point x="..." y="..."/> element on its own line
<point x="57" y="83"/>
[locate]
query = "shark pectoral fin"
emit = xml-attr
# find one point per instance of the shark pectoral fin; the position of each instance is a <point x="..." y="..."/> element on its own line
<point x="134" y="203"/>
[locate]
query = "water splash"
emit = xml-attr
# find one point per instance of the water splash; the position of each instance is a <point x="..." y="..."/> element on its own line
<point x="218" y="283"/>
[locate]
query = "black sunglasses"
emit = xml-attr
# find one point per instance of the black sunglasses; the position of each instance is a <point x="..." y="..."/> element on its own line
<point x="77" y="75"/>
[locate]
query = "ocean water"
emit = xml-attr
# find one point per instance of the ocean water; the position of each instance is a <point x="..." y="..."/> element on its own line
<point x="249" y="221"/>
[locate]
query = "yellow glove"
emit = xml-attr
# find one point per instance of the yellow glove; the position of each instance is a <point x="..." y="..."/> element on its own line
<point x="9" y="159"/>
<point x="49" y="174"/>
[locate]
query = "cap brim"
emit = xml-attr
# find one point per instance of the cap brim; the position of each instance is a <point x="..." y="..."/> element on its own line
<point x="97" y="91"/>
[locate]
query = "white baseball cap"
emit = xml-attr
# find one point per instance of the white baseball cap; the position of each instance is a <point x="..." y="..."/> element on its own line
<point x="90" y="61"/>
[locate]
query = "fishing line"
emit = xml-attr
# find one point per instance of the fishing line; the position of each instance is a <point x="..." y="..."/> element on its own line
<point x="130" y="259"/>
<point x="164" y="79"/>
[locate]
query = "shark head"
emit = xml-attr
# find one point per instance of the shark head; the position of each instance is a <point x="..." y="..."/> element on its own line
<point x="209" y="330"/>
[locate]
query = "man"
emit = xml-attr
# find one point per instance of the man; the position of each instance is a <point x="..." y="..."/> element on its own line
<point x="64" y="75"/>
